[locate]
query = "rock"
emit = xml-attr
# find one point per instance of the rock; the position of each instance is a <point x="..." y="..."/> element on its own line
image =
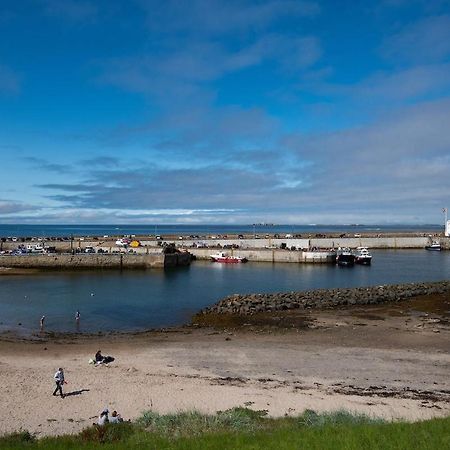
<point x="322" y="298"/>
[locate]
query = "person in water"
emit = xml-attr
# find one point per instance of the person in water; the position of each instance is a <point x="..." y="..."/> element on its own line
<point x="42" y="322"/>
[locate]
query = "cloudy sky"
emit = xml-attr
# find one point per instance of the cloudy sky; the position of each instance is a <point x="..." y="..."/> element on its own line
<point x="224" y="111"/>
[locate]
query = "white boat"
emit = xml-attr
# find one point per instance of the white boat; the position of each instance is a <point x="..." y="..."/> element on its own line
<point x="434" y="246"/>
<point x="225" y="258"/>
<point x="363" y="256"/>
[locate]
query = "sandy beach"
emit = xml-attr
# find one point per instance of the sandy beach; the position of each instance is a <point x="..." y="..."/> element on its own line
<point x="386" y="361"/>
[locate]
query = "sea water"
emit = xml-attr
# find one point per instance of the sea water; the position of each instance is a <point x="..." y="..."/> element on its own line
<point x="134" y="300"/>
<point x="44" y="230"/>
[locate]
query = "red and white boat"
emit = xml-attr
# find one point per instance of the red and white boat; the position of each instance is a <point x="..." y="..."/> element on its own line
<point x="225" y="258"/>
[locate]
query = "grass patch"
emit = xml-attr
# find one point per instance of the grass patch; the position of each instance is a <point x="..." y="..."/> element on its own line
<point x="341" y="417"/>
<point x="244" y="429"/>
<point x="193" y="423"/>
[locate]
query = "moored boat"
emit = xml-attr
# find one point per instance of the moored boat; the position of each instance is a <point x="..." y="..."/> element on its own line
<point x="434" y="246"/>
<point x="225" y="258"/>
<point x="345" y="257"/>
<point x="363" y="256"/>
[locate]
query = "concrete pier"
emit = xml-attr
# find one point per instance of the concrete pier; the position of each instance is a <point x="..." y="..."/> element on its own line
<point x="271" y="255"/>
<point x="96" y="261"/>
<point x="150" y="254"/>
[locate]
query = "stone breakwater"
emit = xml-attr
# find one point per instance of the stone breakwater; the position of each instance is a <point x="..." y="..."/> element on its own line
<point x="249" y="304"/>
<point x="58" y="261"/>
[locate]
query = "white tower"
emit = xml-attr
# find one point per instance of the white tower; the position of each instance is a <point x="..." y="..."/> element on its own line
<point x="446" y="223"/>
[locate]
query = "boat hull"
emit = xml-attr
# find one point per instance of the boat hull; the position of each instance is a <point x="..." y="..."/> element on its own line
<point x="345" y="260"/>
<point x="363" y="260"/>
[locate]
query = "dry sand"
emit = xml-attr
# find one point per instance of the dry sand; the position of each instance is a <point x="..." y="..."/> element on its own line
<point x="392" y="363"/>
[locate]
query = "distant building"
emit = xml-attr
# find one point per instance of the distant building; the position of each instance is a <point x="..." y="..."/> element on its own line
<point x="447" y="228"/>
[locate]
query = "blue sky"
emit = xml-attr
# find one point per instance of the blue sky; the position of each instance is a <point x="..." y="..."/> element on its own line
<point x="213" y="111"/>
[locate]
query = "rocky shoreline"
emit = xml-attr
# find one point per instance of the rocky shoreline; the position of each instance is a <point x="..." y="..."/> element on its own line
<point x="250" y="304"/>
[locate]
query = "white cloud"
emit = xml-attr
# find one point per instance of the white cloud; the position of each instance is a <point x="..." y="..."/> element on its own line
<point x="424" y="41"/>
<point x="215" y="17"/>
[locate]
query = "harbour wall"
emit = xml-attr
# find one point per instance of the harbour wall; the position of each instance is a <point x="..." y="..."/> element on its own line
<point x="96" y="261"/>
<point x="381" y="242"/>
<point x="149" y="254"/>
<point x="270" y="255"/>
<point x="249" y="304"/>
<point x="371" y="242"/>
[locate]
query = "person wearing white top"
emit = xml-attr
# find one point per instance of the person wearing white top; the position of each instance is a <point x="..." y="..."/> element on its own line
<point x="115" y="418"/>
<point x="59" y="380"/>
<point x="103" y="418"/>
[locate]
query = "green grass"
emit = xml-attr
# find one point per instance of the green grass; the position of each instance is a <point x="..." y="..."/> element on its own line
<point x="244" y="429"/>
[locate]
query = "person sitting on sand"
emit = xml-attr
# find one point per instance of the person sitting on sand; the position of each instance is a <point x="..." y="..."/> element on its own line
<point x="115" y="418"/>
<point x="99" y="357"/>
<point x="103" y="417"/>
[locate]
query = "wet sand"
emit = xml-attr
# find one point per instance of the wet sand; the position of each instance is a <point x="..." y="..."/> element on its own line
<point x="390" y="361"/>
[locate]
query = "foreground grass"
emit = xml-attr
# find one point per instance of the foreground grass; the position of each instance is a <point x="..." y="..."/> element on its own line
<point x="244" y="429"/>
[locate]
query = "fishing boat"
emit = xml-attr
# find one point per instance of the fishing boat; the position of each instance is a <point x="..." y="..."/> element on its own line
<point x="434" y="246"/>
<point x="363" y="256"/>
<point x="223" y="257"/>
<point x="345" y="257"/>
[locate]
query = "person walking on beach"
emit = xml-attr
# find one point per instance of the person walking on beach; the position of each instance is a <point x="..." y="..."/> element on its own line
<point x="59" y="380"/>
<point x="42" y="323"/>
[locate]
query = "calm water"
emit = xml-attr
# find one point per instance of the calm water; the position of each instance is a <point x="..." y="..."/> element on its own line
<point x="138" y="300"/>
<point x="20" y="230"/>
